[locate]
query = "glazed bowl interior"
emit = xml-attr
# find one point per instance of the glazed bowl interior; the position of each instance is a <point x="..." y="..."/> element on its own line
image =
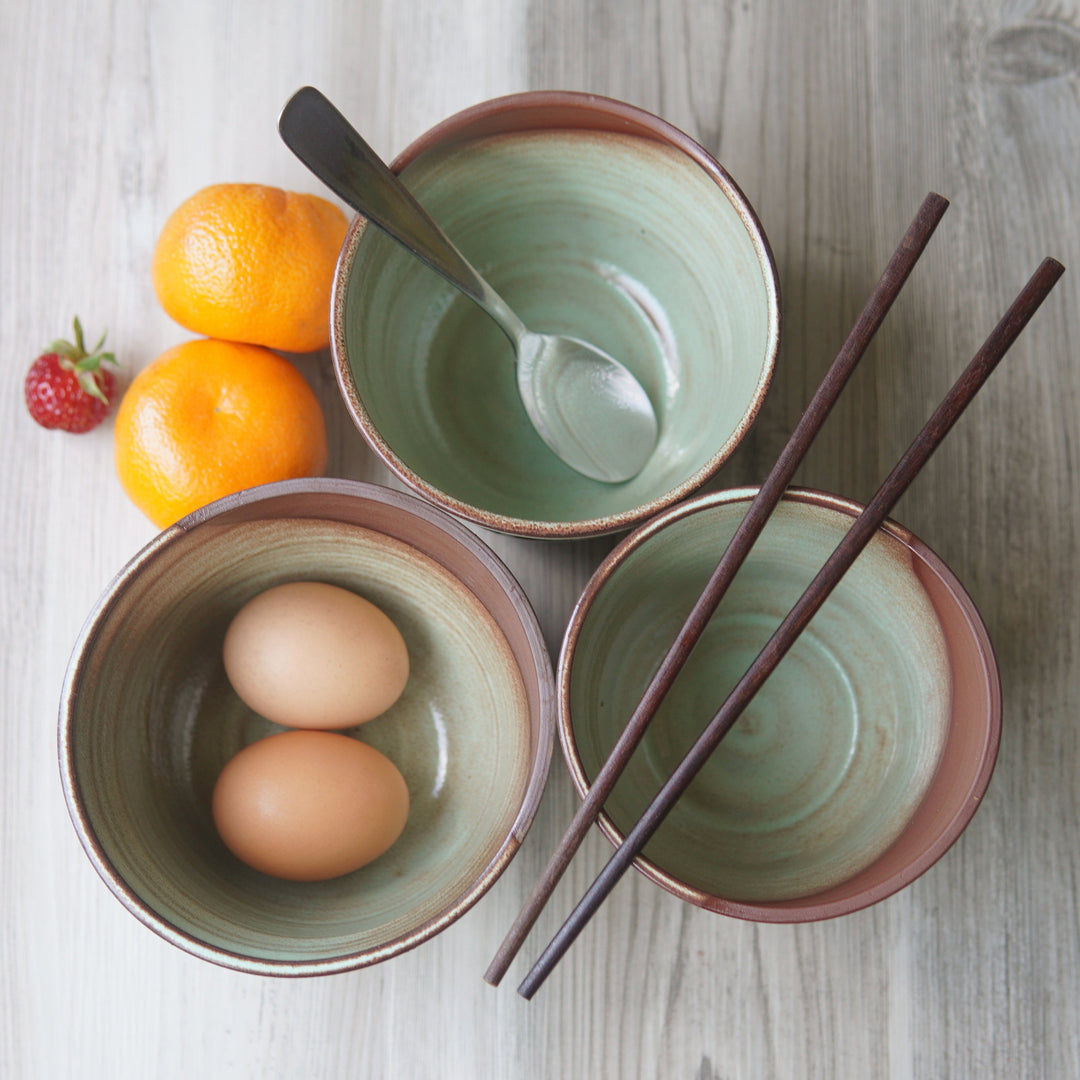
<point x="858" y="762"/>
<point x="591" y="219"/>
<point x="148" y="720"/>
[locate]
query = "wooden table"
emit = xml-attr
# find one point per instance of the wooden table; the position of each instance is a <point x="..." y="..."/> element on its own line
<point x="836" y="117"/>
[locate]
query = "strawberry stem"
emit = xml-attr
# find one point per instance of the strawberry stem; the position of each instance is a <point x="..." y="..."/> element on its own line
<point x="75" y="358"/>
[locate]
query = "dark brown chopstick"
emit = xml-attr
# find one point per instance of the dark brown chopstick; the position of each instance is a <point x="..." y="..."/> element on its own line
<point x="857" y="537"/>
<point x="870" y="319"/>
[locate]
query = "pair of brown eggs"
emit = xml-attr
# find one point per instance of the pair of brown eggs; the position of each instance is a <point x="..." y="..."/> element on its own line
<point x="311" y="803"/>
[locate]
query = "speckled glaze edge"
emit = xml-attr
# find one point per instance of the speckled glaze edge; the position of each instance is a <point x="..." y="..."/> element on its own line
<point x="251" y="499"/>
<point x="827" y="905"/>
<point x="574" y="109"/>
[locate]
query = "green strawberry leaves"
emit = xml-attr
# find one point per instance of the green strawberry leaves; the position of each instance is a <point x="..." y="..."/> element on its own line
<point x="84" y="365"/>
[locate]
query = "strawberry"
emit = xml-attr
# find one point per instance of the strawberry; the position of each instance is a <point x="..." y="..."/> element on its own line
<point x="68" y="387"/>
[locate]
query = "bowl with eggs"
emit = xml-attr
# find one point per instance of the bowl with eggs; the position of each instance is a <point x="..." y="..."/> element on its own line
<point x="306" y="727"/>
<point x="591" y="218"/>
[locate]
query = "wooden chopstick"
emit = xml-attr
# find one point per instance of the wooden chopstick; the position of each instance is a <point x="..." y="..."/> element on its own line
<point x="870" y="319"/>
<point x="857" y="537"/>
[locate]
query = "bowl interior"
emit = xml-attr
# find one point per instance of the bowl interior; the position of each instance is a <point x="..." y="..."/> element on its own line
<point x="821" y="781"/>
<point x="152" y="719"/>
<point x="624" y="241"/>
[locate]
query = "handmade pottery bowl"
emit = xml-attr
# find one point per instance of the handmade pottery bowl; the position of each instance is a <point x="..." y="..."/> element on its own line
<point x="148" y="720"/>
<point x="592" y="218"/>
<point x="861" y="759"/>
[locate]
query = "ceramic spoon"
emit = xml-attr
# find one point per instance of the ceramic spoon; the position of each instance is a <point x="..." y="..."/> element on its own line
<point x="583" y="403"/>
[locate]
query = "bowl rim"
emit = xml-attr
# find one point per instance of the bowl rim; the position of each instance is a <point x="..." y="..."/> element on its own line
<point x="801" y="909"/>
<point x="538" y="771"/>
<point x="618" y="114"/>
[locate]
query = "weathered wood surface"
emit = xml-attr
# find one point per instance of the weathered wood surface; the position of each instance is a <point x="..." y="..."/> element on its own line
<point x="835" y="117"/>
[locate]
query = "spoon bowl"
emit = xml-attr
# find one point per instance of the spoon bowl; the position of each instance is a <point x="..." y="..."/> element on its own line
<point x="586" y="406"/>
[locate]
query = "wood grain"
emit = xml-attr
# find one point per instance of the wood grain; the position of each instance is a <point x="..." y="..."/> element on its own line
<point x="835" y="117"/>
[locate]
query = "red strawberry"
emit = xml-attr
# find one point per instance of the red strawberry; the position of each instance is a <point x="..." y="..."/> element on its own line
<point x="68" y="388"/>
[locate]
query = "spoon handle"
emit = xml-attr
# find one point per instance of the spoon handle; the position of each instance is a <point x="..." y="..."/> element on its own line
<point x="333" y="150"/>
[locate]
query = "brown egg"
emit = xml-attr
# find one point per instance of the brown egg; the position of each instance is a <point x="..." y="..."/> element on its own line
<point x="311" y="655"/>
<point x="309" y="805"/>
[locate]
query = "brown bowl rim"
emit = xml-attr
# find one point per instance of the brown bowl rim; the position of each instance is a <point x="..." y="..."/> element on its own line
<point x="802" y="909"/>
<point x="534" y="790"/>
<point x="619" y="115"/>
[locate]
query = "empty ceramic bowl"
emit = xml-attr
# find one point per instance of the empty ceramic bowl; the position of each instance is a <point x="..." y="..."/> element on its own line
<point x="592" y="218"/>
<point x="858" y="763"/>
<point x="148" y="720"/>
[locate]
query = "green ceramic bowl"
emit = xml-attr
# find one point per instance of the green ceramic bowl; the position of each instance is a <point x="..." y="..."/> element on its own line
<point x="858" y="763"/>
<point x="148" y="719"/>
<point x="592" y="218"/>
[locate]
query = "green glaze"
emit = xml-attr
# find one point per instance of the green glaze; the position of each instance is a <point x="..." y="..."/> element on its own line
<point x="149" y="719"/>
<point x="623" y="241"/>
<point x="833" y="756"/>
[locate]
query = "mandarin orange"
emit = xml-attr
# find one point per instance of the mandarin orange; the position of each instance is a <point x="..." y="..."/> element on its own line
<point x="208" y="418"/>
<point x="246" y="262"/>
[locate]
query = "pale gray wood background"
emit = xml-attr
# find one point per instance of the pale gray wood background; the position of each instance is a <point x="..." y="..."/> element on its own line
<point x="836" y="117"/>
